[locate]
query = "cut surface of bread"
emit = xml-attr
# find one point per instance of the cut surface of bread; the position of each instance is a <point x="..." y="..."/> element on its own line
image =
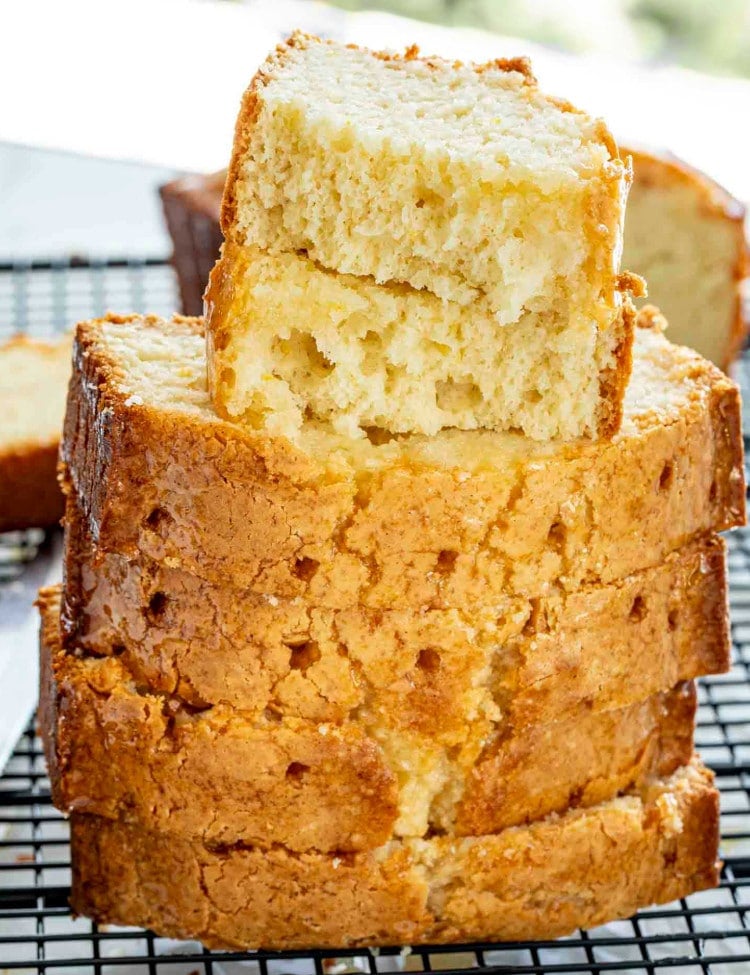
<point x="685" y="235"/>
<point x="449" y="520"/>
<point x="33" y="384"/>
<point x="463" y="181"/>
<point x="287" y="339"/>
<point x="534" y="661"/>
<point x="532" y="882"/>
<point x="228" y="776"/>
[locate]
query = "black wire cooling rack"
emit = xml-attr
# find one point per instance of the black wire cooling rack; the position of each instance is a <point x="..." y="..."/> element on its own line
<point x="707" y="933"/>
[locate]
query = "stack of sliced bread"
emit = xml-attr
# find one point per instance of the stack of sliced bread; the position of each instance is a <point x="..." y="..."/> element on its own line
<point x="386" y="588"/>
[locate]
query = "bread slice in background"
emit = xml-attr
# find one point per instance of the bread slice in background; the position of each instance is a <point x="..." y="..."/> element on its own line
<point x="191" y="206"/>
<point x="34" y="378"/>
<point x="685" y="235"/>
<point x="462" y="181"/>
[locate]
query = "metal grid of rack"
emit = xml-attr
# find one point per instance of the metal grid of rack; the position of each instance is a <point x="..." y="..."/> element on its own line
<point x="48" y="297"/>
<point x="706" y="933"/>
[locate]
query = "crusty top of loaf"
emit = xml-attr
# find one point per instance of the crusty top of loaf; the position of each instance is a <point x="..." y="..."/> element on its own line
<point x="492" y="114"/>
<point x="155" y="364"/>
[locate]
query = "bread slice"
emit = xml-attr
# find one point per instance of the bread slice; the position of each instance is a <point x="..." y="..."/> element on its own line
<point x="447" y="521"/>
<point x="501" y="206"/>
<point x="228" y="776"/>
<point x="287" y="340"/>
<point x="685" y="234"/>
<point x="33" y="385"/>
<point x="532" y="882"/>
<point x="536" y="660"/>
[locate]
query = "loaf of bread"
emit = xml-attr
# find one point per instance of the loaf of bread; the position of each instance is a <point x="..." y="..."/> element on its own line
<point x="446" y="521"/>
<point x="685" y="234"/>
<point x="33" y="384"/>
<point x="191" y="208"/>
<point x="530" y="882"/>
<point x="231" y="776"/>
<point x="478" y="226"/>
<point x="385" y="588"/>
<point x="536" y="660"/>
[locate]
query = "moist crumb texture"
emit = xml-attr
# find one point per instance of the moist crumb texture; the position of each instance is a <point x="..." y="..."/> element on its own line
<point x="456" y="234"/>
<point x="30" y="430"/>
<point x="289" y="340"/>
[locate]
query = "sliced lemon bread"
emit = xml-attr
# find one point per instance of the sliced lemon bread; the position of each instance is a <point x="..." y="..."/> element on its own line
<point x="33" y="385"/>
<point x="287" y="340"/>
<point x="514" y="661"/>
<point x="492" y="214"/>
<point x="685" y="234"/>
<point x="531" y="882"/>
<point x="236" y="776"/>
<point x="450" y="520"/>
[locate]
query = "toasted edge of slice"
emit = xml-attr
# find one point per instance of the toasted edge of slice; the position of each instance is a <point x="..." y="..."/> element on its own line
<point x="533" y="882"/>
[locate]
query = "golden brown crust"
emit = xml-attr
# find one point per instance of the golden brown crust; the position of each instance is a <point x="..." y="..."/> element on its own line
<point x="657" y="168"/>
<point x="548" y="657"/>
<point x="224" y="502"/>
<point x="614" y="380"/>
<point x="227" y="776"/>
<point x="535" y="882"/>
<point x="211" y="773"/>
<point x="588" y="759"/>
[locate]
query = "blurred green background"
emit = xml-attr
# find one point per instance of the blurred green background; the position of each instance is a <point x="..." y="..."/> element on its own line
<point x="709" y="35"/>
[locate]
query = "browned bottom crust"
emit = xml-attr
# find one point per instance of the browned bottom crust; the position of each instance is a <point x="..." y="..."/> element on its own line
<point x="533" y="882"/>
<point x="226" y="777"/>
<point x="30" y="496"/>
